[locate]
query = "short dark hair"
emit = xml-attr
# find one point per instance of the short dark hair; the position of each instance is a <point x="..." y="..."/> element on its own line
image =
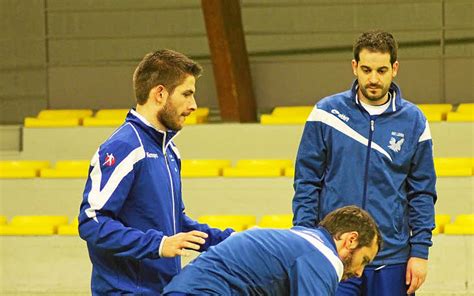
<point x="352" y="218"/>
<point x="376" y="41"/>
<point x="166" y="67"/>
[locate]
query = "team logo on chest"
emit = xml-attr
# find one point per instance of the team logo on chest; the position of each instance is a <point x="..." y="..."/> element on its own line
<point x="109" y="160"/>
<point x="396" y="141"/>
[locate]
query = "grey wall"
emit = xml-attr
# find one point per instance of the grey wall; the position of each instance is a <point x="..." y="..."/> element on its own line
<point x="81" y="53"/>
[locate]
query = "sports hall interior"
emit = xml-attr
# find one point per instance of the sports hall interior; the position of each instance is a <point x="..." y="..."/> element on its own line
<point x="66" y="84"/>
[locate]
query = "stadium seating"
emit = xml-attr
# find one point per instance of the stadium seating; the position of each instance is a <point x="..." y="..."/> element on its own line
<point x="435" y="112"/>
<point x="287" y="115"/>
<point x="69" y="229"/>
<point x="451" y="167"/>
<point x="33" y="225"/>
<point x="107" y="117"/>
<point x="58" y="118"/>
<point x="67" y="169"/>
<point x="21" y="168"/>
<point x="258" y="168"/>
<point x="236" y="222"/>
<point x="464" y="112"/>
<point x="440" y="221"/>
<point x="203" y="167"/>
<point x="463" y="224"/>
<point x="276" y="221"/>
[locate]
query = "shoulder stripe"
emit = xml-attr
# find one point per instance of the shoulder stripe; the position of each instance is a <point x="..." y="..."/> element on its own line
<point x="334" y="122"/>
<point x="426" y="135"/>
<point x="97" y="198"/>
<point x="327" y="252"/>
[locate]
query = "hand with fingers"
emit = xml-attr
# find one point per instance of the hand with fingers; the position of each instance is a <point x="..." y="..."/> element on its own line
<point x="177" y="244"/>
<point x="417" y="268"/>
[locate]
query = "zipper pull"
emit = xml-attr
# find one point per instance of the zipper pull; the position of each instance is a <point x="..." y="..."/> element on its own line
<point x="372" y="125"/>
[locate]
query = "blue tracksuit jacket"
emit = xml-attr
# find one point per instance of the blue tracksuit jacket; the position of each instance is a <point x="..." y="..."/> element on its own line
<point x="297" y="261"/>
<point x="132" y="199"/>
<point x="382" y="163"/>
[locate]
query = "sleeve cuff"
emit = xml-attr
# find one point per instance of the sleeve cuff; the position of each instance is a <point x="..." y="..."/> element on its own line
<point x="160" y="249"/>
<point x="419" y="251"/>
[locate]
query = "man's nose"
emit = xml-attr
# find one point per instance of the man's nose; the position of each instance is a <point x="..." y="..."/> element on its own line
<point x="193" y="105"/>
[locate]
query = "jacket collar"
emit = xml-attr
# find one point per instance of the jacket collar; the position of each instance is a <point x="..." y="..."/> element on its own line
<point x="162" y="138"/>
<point x="396" y="94"/>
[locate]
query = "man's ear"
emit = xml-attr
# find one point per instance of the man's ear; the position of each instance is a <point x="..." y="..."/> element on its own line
<point x="354" y="67"/>
<point x="351" y="240"/>
<point x="159" y="94"/>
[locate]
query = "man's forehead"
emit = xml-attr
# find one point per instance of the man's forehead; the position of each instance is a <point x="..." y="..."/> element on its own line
<point x="189" y="83"/>
<point x="368" y="58"/>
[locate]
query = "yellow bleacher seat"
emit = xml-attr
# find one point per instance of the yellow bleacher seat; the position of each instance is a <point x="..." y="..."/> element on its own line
<point x="441" y="108"/>
<point x="440" y="221"/>
<point x="203" y="167"/>
<point x="3" y="220"/>
<point x="465" y="219"/>
<point x="435" y="112"/>
<point x="27" y="230"/>
<point x="21" y="168"/>
<point x="289" y="172"/>
<point x="465" y="108"/>
<point x="200" y="172"/>
<point x="247" y="172"/>
<point x="293" y="111"/>
<point x="107" y="117"/>
<point x="24" y="164"/>
<point x="237" y="222"/>
<point x="18" y="173"/>
<point x="56" y="114"/>
<point x="36" y="122"/>
<point x="454" y="166"/>
<point x="91" y="121"/>
<point x="39" y="220"/>
<point x="67" y="169"/>
<point x="112" y="114"/>
<point x="287" y="115"/>
<point x="270" y="163"/>
<point x="58" y="118"/>
<point x="258" y="168"/>
<point x="270" y="119"/>
<point x="276" y="221"/>
<point x="35" y="225"/>
<point x="70" y="229"/>
<point x="463" y="224"/>
<point x="72" y="164"/>
<point x="460" y="117"/>
<point x="434" y="116"/>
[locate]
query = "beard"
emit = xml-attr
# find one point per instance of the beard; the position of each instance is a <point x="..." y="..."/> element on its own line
<point x="170" y="118"/>
<point x="371" y="97"/>
<point x="347" y="262"/>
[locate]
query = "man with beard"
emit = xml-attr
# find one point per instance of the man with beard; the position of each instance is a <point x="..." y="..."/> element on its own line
<point x="297" y="261"/>
<point x="370" y="147"/>
<point x="132" y="214"/>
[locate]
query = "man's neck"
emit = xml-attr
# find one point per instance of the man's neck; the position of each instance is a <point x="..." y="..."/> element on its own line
<point x="150" y="116"/>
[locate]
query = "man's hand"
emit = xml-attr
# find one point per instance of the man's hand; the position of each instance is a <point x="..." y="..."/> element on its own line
<point x="417" y="268"/>
<point x="175" y="245"/>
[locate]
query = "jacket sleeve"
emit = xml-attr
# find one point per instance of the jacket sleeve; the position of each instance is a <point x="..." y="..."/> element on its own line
<point x="422" y="196"/>
<point x="215" y="235"/>
<point x="111" y="177"/>
<point x="309" y="173"/>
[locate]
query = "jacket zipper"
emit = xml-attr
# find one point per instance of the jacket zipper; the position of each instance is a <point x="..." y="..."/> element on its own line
<point x="171" y="183"/>
<point x="367" y="160"/>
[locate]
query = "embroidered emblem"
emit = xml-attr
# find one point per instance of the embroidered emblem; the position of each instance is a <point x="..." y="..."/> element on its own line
<point x="109" y="160"/>
<point x="396" y="141"/>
